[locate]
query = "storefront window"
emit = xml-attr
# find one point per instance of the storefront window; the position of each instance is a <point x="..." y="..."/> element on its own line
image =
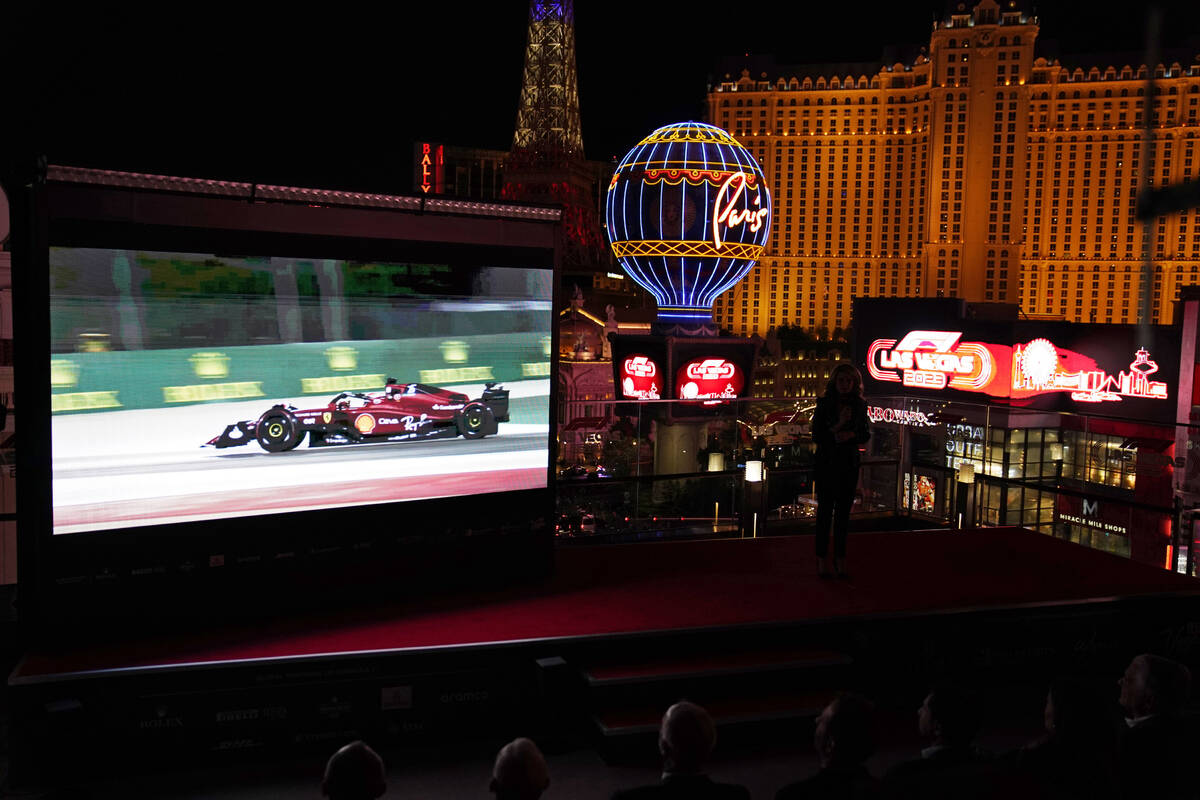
<point x="1096" y="539"/>
<point x="1100" y="458"/>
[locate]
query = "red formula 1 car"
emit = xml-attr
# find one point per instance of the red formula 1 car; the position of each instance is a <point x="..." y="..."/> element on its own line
<point x="401" y="412"/>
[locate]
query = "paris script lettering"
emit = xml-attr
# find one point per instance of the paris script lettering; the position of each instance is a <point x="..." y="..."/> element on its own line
<point x="725" y="213"/>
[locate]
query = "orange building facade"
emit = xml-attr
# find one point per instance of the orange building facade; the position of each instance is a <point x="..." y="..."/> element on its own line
<point x="978" y="170"/>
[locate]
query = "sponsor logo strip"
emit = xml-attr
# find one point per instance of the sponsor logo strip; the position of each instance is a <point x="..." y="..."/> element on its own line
<point x="341" y="383"/>
<point x="535" y="369"/>
<point x="456" y="374"/>
<point x="83" y="401"/>
<point x="212" y="391"/>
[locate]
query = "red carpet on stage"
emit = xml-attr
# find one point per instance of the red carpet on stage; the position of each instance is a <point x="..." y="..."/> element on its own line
<point x="622" y="589"/>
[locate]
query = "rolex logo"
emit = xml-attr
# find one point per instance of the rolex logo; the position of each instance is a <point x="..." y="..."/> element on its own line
<point x="341" y="357"/>
<point x="210" y="365"/>
<point x="455" y="351"/>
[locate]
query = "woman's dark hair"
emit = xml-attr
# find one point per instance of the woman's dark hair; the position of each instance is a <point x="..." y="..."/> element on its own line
<point x="845" y="366"/>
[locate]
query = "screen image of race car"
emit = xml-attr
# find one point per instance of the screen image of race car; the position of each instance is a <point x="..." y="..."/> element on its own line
<point x="189" y="387"/>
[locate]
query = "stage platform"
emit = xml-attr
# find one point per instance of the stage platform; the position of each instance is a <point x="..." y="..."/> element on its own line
<point x="1000" y="604"/>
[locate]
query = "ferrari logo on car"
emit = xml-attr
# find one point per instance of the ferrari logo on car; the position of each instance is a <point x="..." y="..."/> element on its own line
<point x="326" y="417"/>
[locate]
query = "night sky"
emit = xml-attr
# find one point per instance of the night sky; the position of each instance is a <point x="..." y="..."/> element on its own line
<point x="333" y="100"/>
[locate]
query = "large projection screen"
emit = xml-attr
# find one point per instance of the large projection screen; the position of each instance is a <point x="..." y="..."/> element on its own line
<point x="155" y="354"/>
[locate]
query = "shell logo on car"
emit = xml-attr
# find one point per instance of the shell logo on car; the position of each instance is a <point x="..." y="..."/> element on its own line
<point x="365" y="423"/>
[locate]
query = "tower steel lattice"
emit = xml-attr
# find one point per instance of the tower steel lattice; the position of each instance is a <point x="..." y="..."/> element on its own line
<point x="546" y="164"/>
<point x="548" y="130"/>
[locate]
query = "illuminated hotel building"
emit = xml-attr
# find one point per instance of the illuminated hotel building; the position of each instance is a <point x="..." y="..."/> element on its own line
<point x="977" y="170"/>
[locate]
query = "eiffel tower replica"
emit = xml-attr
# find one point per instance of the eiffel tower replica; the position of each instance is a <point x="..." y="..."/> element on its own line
<point x="546" y="164"/>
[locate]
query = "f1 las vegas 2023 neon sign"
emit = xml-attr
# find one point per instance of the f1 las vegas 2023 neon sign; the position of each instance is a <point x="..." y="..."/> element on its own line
<point x="939" y="360"/>
<point x="932" y="360"/>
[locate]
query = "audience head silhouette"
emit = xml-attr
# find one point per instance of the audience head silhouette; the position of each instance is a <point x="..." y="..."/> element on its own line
<point x="354" y="773"/>
<point x="686" y="738"/>
<point x="949" y="716"/>
<point x="844" y="734"/>
<point x="1153" y="686"/>
<point x="520" y="771"/>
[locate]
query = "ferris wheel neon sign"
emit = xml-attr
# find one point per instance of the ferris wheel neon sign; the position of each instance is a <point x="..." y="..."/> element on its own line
<point x="1036" y="366"/>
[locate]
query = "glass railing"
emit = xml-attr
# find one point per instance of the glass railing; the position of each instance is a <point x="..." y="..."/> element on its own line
<point x="658" y="469"/>
<point x="631" y="471"/>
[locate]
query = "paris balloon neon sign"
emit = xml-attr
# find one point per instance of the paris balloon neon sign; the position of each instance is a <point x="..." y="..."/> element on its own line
<point x="688" y="214"/>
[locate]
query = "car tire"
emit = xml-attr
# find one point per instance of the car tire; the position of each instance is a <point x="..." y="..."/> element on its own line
<point x="278" y="431"/>
<point x="475" y="421"/>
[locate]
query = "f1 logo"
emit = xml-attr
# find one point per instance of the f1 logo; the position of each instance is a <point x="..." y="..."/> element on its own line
<point x="710" y="369"/>
<point x="640" y="366"/>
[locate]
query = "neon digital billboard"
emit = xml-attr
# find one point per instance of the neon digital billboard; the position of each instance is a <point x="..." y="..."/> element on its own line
<point x="936" y="360"/>
<point x="1037" y="368"/>
<point x="932" y="360"/>
<point x="640" y="378"/>
<point x="709" y="379"/>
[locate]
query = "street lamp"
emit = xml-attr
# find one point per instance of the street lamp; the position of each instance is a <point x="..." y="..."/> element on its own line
<point x="966" y="482"/>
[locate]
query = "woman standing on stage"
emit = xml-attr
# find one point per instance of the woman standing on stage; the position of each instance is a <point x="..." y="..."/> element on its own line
<point x="839" y="426"/>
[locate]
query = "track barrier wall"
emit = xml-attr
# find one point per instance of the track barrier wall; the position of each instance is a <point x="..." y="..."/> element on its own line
<point x="137" y="379"/>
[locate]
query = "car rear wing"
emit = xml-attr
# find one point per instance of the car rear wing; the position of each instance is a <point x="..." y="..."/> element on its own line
<point x="496" y="399"/>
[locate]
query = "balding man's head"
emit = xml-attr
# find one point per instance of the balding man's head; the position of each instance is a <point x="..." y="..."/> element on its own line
<point x="686" y="737"/>
<point x="520" y="771"/>
<point x="354" y="773"/>
<point x="1154" y="685"/>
